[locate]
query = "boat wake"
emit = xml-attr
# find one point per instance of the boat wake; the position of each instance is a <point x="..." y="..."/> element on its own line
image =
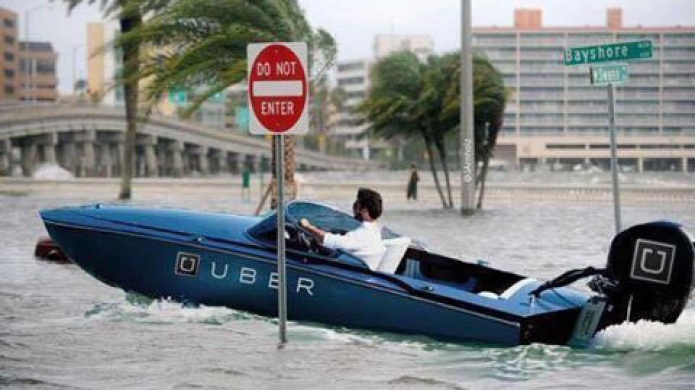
<point x="136" y="308"/>
<point x="649" y="336"/>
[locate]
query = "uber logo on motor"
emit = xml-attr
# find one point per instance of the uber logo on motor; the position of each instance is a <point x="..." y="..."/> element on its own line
<point x="187" y="264"/>
<point x="653" y="261"/>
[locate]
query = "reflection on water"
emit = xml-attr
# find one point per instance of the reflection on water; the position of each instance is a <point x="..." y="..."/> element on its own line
<point x="61" y="327"/>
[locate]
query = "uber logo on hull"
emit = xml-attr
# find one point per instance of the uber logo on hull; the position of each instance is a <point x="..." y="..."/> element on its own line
<point x="187" y="264"/>
<point x="653" y="261"/>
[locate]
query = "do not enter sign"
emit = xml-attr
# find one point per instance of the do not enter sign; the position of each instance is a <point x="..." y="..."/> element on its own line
<point x="277" y="88"/>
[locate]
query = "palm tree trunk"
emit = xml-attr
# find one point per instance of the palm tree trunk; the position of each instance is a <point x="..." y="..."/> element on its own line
<point x="291" y="189"/>
<point x="483" y="175"/>
<point x="442" y="156"/>
<point x="430" y="154"/>
<point x="131" y="64"/>
<point x="289" y="169"/>
<point x="489" y="147"/>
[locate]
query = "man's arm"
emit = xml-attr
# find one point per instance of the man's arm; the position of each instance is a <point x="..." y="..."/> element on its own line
<point x="317" y="233"/>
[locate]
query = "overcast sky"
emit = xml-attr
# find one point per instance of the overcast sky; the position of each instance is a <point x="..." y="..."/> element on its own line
<point x="354" y="23"/>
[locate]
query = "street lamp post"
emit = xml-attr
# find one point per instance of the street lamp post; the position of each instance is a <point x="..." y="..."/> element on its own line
<point x="468" y="165"/>
<point x="28" y="68"/>
<point x="74" y="66"/>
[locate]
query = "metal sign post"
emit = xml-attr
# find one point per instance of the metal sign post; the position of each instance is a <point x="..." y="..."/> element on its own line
<point x="278" y="95"/>
<point x="610" y="75"/>
<point x="282" y="272"/>
<point x="614" y="156"/>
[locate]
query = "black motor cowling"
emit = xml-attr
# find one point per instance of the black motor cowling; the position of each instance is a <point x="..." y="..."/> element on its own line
<point x="649" y="274"/>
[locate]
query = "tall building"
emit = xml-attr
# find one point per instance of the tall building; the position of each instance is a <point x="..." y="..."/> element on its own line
<point x="556" y="116"/>
<point x="37" y="62"/>
<point x="421" y="45"/>
<point x="9" y="57"/>
<point x="28" y="68"/>
<point x="352" y="77"/>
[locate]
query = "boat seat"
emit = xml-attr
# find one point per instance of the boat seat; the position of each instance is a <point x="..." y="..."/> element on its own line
<point x="510" y="291"/>
<point x="395" y="250"/>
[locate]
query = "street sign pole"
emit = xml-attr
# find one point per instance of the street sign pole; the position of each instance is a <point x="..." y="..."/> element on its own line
<point x="614" y="156"/>
<point x="282" y="278"/>
<point x="468" y="166"/>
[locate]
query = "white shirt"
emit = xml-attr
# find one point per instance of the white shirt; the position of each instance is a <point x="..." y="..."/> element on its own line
<point x="363" y="242"/>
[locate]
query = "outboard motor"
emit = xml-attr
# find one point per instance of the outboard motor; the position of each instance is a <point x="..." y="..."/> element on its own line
<point x="649" y="275"/>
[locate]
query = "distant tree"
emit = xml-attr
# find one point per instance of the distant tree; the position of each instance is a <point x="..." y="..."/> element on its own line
<point x="394" y="108"/>
<point x="412" y="99"/>
<point x="489" y="101"/>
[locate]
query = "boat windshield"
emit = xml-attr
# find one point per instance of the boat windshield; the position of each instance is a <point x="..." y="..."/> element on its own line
<point x="324" y="217"/>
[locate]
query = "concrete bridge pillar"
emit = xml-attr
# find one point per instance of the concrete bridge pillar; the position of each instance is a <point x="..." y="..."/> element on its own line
<point x="203" y="163"/>
<point x="69" y="157"/>
<point x="253" y="163"/>
<point x="151" y="157"/>
<point x="219" y="161"/>
<point x="640" y="165"/>
<point x="28" y="158"/>
<point x="88" y="161"/>
<point x="685" y="164"/>
<point x="48" y="144"/>
<point x="264" y="165"/>
<point x="6" y="157"/>
<point x="106" y="160"/>
<point x="176" y="149"/>
<point x="234" y="162"/>
<point x="118" y="165"/>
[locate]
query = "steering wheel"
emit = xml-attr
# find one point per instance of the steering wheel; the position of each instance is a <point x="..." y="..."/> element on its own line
<point x="301" y="238"/>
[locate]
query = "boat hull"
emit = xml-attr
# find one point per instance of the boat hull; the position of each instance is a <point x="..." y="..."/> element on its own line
<point x="245" y="278"/>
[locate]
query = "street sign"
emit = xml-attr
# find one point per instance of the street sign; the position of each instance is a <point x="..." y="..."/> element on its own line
<point x="277" y="88"/>
<point x="621" y="51"/>
<point x="609" y="74"/>
<point x="178" y="96"/>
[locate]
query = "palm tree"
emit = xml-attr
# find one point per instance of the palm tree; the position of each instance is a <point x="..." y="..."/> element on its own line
<point x="489" y="101"/>
<point x="410" y="99"/>
<point x="202" y="43"/>
<point x="440" y="74"/>
<point x="394" y="107"/>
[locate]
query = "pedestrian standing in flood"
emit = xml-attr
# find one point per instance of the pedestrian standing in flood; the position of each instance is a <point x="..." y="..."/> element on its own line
<point x="412" y="183"/>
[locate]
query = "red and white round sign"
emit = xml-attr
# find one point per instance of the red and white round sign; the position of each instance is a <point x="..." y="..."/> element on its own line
<point x="277" y="88"/>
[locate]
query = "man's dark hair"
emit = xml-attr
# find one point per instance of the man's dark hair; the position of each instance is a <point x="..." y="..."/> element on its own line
<point x="371" y="200"/>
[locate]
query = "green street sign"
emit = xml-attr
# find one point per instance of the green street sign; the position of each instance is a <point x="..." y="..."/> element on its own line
<point x="606" y="53"/>
<point x="609" y="74"/>
<point x="178" y="96"/>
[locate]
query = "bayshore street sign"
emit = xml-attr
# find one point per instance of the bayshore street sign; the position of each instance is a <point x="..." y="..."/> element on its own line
<point x="278" y="90"/>
<point x="608" y="74"/>
<point x="621" y="51"/>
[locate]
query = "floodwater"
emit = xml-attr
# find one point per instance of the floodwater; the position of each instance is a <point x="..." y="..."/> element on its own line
<point x="61" y="328"/>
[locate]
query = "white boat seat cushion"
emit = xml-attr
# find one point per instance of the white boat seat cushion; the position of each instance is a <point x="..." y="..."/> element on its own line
<point x="511" y="290"/>
<point x="395" y="250"/>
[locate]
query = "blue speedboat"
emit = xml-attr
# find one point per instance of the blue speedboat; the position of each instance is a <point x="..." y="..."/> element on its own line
<point x="227" y="260"/>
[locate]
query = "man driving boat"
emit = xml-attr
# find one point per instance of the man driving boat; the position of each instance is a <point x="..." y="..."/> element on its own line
<point x="363" y="242"/>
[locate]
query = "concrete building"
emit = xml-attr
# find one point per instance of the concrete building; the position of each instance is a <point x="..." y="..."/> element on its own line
<point x="421" y="45"/>
<point x="104" y="66"/>
<point x="9" y="55"/>
<point x="37" y="62"/>
<point x="555" y="116"/>
<point x="28" y="68"/>
<point x="352" y="77"/>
